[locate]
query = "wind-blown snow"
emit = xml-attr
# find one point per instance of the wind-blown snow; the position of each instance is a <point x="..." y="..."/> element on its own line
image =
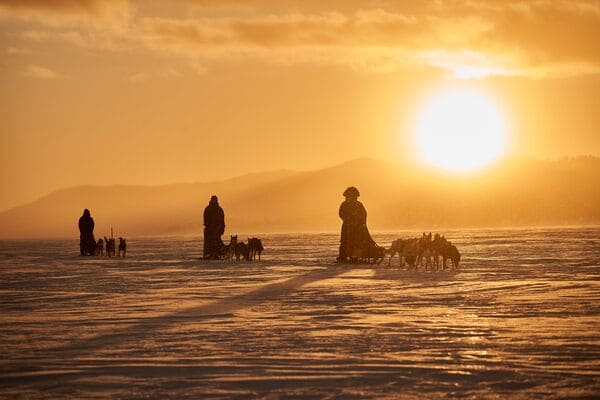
<point x="521" y="318"/>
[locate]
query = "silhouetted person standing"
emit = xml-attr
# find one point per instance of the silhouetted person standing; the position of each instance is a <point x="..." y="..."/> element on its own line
<point x="87" y="243"/>
<point x="355" y="238"/>
<point x="214" y="227"/>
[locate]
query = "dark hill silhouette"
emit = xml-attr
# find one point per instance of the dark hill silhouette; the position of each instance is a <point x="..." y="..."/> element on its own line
<point x="518" y="193"/>
<point x="136" y="210"/>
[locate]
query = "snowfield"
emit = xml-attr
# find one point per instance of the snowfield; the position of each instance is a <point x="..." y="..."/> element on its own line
<point x="519" y="319"/>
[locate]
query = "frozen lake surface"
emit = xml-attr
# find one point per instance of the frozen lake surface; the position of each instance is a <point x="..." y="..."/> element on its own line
<point x="521" y="318"/>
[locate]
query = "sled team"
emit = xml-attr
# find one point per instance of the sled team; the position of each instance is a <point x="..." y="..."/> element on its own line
<point x="356" y="243"/>
<point x="357" y="246"/>
<point x="214" y="248"/>
<point x="88" y="245"/>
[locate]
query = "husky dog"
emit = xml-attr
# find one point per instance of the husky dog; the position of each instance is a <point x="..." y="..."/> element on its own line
<point x="436" y="249"/>
<point x="241" y="249"/>
<point x="122" y="246"/>
<point x="100" y="247"/>
<point x="449" y="251"/>
<point x="255" y="247"/>
<point x="424" y="250"/>
<point x="396" y="248"/>
<point x="110" y="246"/>
<point x="407" y="250"/>
<point x="230" y="248"/>
<point x="411" y="252"/>
<point x="442" y="247"/>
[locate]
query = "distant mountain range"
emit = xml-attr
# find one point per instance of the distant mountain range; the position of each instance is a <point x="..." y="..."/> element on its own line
<point x="518" y="192"/>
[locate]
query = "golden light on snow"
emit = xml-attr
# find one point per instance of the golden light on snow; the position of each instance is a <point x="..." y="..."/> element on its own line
<point x="460" y="130"/>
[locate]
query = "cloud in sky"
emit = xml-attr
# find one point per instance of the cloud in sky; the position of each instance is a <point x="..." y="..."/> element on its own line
<point x="537" y="39"/>
<point x="12" y="50"/>
<point x="165" y="73"/>
<point x="41" y="72"/>
<point x="60" y="13"/>
<point x="73" y="36"/>
<point x="465" y="38"/>
<point x="139" y="77"/>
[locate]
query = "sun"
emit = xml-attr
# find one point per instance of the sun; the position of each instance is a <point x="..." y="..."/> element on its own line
<point x="460" y="130"/>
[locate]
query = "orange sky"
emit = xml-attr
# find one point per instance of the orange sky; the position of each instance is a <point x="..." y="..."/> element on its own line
<point x="151" y="92"/>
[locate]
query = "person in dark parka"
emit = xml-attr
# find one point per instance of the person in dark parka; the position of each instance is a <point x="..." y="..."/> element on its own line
<point x="87" y="243"/>
<point x="214" y="227"/>
<point x="355" y="238"/>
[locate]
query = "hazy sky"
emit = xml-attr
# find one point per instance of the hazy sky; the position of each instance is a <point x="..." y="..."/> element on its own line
<point x="150" y="92"/>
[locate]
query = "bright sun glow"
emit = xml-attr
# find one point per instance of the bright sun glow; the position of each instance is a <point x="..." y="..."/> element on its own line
<point x="460" y="130"/>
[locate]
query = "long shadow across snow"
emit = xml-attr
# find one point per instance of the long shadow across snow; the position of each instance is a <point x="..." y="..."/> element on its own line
<point x="267" y="292"/>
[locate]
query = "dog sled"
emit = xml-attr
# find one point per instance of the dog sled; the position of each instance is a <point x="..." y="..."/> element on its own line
<point x="358" y="247"/>
<point x="370" y="255"/>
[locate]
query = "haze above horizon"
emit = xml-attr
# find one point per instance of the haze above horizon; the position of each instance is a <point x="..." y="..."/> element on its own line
<point x="150" y="93"/>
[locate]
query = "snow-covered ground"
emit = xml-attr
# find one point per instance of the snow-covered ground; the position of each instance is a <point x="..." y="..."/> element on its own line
<point x="521" y="318"/>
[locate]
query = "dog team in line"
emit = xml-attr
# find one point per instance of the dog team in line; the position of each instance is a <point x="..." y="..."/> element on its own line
<point x="214" y="248"/>
<point x="240" y="250"/>
<point x="88" y="245"/>
<point x="415" y="251"/>
<point x="356" y="243"/>
<point x="110" y="247"/>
